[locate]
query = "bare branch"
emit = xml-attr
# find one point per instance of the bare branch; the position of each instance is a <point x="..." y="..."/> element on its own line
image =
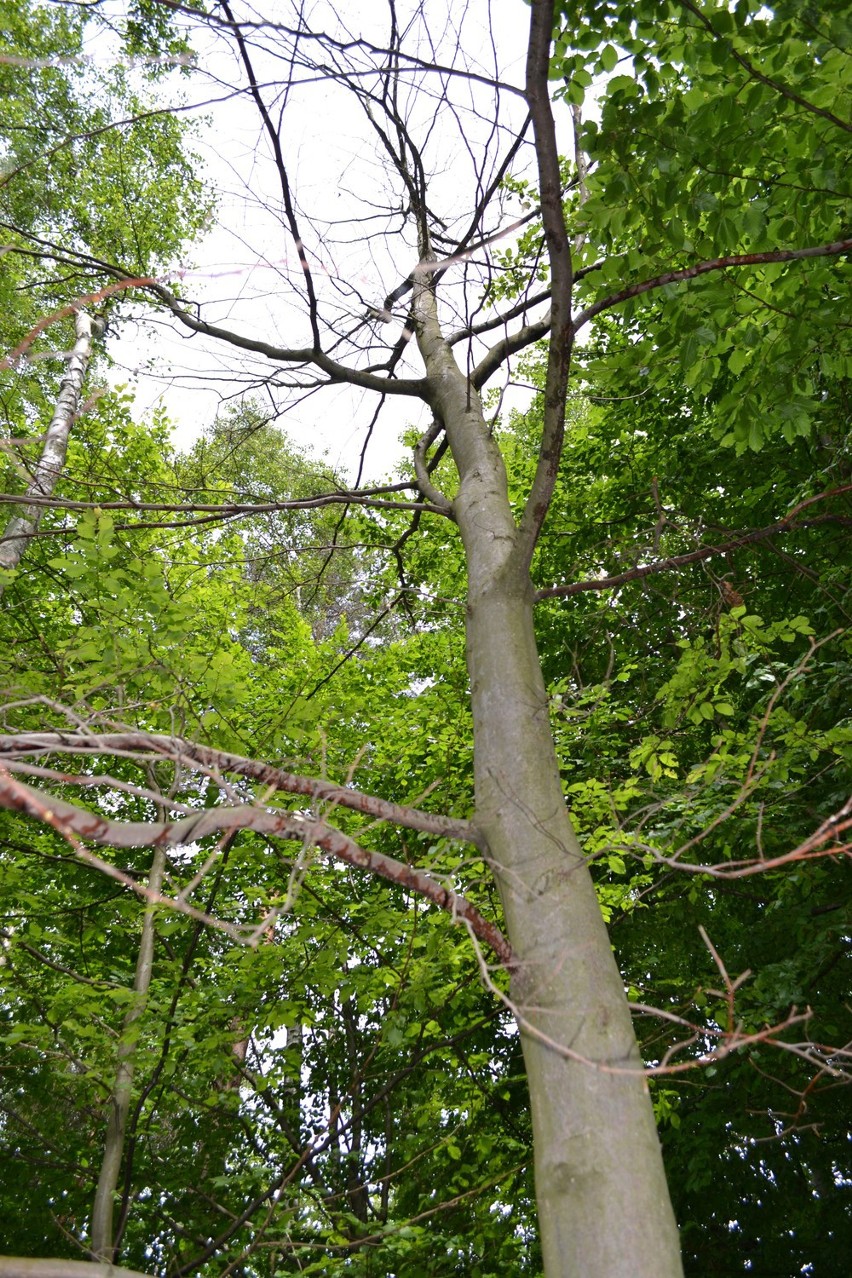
<point x="499" y="321"/>
<point x="424" y="482"/>
<point x="334" y="371"/>
<point x="824" y="842"/>
<point x="96" y="298"/>
<point x="511" y="343"/>
<point x="228" y="510"/>
<point x="275" y="141"/>
<point x="508" y="346"/>
<point x="76" y="823"/>
<point x="16" y="796"/>
<point x="134" y="744"/>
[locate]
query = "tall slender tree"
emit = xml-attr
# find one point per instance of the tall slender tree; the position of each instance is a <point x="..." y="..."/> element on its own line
<point x="693" y="230"/>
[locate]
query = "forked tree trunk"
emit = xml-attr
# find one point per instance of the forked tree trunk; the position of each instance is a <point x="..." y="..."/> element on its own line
<point x="603" y="1203"/>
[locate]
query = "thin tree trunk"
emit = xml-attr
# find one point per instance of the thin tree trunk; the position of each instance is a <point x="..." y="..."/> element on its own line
<point x="20" y="527"/>
<point x="102" y="1246"/>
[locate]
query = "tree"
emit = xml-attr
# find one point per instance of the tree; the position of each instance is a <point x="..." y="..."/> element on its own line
<point x="705" y="253"/>
<point x="677" y="715"/>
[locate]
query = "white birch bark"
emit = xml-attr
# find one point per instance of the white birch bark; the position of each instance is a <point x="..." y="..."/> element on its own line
<point x="21" y="526"/>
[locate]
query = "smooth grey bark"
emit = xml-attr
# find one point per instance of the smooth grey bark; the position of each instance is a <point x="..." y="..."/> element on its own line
<point x="603" y="1202"/>
<point x="20" y="527"/>
<point x="35" y="1267"/>
<point x="102" y="1244"/>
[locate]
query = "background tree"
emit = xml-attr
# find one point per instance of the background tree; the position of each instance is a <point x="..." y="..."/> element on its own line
<point x="192" y="685"/>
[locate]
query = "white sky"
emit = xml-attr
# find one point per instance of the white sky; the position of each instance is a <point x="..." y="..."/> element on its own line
<point x="245" y="270"/>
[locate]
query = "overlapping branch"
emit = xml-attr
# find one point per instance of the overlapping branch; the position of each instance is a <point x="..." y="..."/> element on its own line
<point x="210" y="512"/>
<point x="76" y="823"/>
<point x="830" y="839"/>
<point x="148" y="746"/>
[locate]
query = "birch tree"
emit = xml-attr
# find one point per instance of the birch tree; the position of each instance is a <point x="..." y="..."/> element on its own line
<point x="51" y="463"/>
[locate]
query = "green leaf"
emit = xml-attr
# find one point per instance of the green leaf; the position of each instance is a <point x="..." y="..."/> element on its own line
<point x="608" y="57"/>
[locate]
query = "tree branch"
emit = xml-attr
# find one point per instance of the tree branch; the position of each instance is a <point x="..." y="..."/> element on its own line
<point x="788" y="524"/>
<point x="508" y="346"/>
<point x="227" y="510"/>
<point x="498" y="321"/>
<point x="703" y="268"/>
<point x="511" y="343"/>
<point x="561" y="281"/>
<point x="824" y="842"/>
<point x="336" y="373"/>
<point x="75" y="822"/>
<point x="131" y="744"/>
<point x="424" y="481"/>
<point x="275" y="142"/>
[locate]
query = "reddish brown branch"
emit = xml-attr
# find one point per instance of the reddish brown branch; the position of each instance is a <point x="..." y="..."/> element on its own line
<point x="703" y="268"/>
<point x="826" y="841"/>
<point x="788" y="524"/>
<point x="79" y="823"/>
<point x="219" y="762"/>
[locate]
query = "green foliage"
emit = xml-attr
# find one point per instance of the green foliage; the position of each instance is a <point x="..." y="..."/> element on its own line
<point x="720" y="134"/>
<point x="68" y="126"/>
<point x="346" y="1096"/>
<point x="92" y="170"/>
<point x="696" y="729"/>
<point x="377" y="1068"/>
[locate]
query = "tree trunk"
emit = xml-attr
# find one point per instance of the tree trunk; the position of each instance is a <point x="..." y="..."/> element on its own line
<point x="603" y="1203"/>
<point x="102" y="1245"/>
<point x="20" y="527"/>
<point x="600" y="1187"/>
